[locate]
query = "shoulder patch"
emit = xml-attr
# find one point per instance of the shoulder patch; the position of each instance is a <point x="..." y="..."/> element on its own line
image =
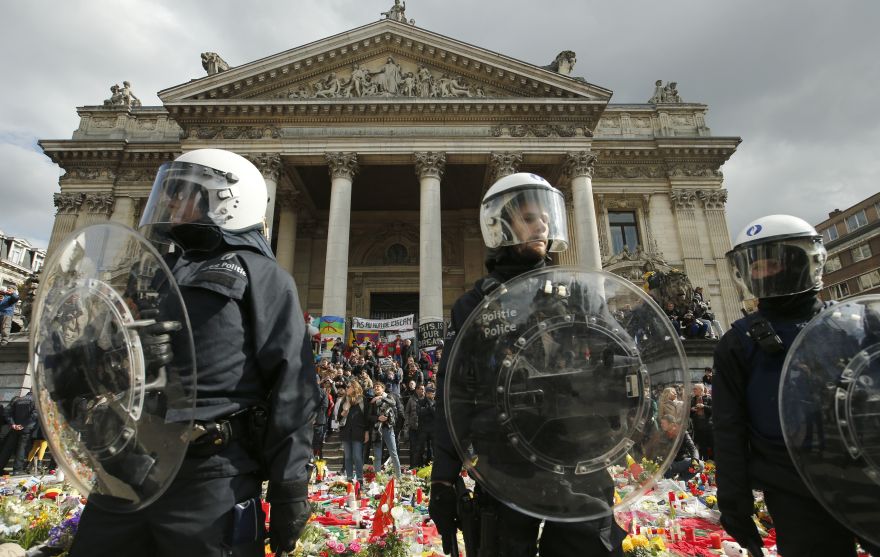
<point x="225" y="275"/>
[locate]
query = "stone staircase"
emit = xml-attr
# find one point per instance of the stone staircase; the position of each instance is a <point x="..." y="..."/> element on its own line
<point x="334" y="457"/>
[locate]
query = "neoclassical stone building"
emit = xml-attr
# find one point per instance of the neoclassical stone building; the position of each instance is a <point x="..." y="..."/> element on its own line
<point x="377" y="145"/>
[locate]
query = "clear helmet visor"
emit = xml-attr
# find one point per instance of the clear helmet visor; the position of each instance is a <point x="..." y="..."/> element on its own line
<point x="778" y="268"/>
<point x="524" y="215"/>
<point x="186" y="193"/>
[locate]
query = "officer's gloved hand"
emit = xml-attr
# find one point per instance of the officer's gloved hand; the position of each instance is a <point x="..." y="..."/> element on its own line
<point x="288" y="515"/>
<point x="442" y="510"/>
<point x="156" y="343"/>
<point x="742" y="528"/>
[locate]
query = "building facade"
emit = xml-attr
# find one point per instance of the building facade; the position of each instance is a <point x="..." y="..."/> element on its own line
<point x="18" y="260"/>
<point x="852" y="238"/>
<point x="377" y="145"/>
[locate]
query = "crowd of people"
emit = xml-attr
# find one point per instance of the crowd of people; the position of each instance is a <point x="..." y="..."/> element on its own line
<point x="375" y="398"/>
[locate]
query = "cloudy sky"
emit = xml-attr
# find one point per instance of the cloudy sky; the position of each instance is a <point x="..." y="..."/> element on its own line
<point x="797" y="80"/>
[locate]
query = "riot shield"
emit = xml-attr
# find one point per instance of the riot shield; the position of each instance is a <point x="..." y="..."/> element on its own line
<point x="550" y="392"/>
<point x="829" y="406"/>
<point x="113" y="366"/>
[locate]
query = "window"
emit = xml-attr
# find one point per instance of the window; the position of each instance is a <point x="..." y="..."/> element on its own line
<point x="624" y="233"/>
<point x="16" y="254"/>
<point x="833" y="264"/>
<point x="840" y="290"/>
<point x="869" y="280"/>
<point x="855" y="221"/>
<point x="38" y="263"/>
<point x="830" y="234"/>
<point x="860" y="252"/>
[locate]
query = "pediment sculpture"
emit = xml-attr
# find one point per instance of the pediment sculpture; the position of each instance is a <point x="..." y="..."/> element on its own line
<point x="665" y="94"/>
<point x="389" y="80"/>
<point x="122" y="96"/>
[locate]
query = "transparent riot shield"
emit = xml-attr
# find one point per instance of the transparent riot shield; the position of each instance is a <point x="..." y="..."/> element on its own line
<point x="829" y="405"/>
<point x="551" y="393"/>
<point x="113" y="366"/>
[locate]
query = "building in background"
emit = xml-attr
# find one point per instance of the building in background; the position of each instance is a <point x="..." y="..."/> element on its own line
<point x="18" y="260"/>
<point x="377" y="145"/>
<point x="852" y="238"/>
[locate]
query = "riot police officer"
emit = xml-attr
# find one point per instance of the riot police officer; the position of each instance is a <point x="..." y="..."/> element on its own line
<point x="779" y="260"/>
<point x="256" y="393"/>
<point x="522" y="218"/>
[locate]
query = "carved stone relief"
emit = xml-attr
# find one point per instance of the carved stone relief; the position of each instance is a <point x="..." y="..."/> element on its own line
<point x="101" y="203"/>
<point x="713" y="199"/>
<point x="539" y="130"/>
<point x="233" y="132"/>
<point x="342" y="165"/>
<point x="683" y="199"/>
<point x="580" y="163"/>
<point x="504" y="164"/>
<point x="630" y="171"/>
<point x="389" y="79"/>
<point x="137" y="174"/>
<point x="430" y="164"/>
<point x="89" y="174"/>
<point x="693" y="169"/>
<point x="68" y="203"/>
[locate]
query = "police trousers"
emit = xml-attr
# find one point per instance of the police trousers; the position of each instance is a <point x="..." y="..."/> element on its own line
<point x="193" y="517"/>
<point x="517" y="536"/>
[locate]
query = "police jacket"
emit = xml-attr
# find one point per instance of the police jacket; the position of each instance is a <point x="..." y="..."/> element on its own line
<point x="502" y="267"/>
<point x="252" y="350"/>
<point x="750" y="450"/>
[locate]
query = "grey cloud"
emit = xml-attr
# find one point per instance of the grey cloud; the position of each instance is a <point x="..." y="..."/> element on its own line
<point x="796" y="80"/>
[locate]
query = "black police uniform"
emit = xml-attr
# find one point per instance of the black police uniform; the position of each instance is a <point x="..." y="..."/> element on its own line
<point x="516" y="534"/>
<point x="252" y="352"/>
<point x="750" y="449"/>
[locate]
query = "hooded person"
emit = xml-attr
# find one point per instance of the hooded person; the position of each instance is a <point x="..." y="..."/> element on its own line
<point x="523" y="220"/>
<point x="256" y="390"/>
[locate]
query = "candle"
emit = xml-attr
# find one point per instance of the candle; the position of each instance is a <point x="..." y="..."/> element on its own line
<point x="419" y="496"/>
<point x="715" y="539"/>
<point x="689" y="534"/>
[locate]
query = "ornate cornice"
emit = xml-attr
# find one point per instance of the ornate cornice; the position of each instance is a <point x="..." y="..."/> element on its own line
<point x="68" y="203"/>
<point x="342" y="165"/>
<point x="430" y="164"/>
<point x="580" y="163"/>
<point x="713" y="199"/>
<point x="269" y="164"/>
<point x="504" y="164"/>
<point x="100" y="203"/>
<point x="683" y="198"/>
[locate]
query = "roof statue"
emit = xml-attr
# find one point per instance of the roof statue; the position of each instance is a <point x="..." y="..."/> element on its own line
<point x="397" y="12"/>
<point x="122" y="96"/>
<point x="667" y="94"/>
<point x="213" y="63"/>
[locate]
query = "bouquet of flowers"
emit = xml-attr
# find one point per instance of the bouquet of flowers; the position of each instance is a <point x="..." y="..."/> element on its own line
<point x="641" y="546"/>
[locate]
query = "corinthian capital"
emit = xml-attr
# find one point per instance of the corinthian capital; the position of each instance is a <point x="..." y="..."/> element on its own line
<point x="68" y="203"/>
<point x="683" y="199"/>
<point x="713" y="199"/>
<point x="269" y="165"/>
<point x="580" y="163"/>
<point x="342" y="165"/>
<point x="504" y="164"/>
<point x="430" y="164"/>
<point x="101" y="203"/>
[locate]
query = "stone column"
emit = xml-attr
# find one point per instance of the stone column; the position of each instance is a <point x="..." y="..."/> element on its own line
<point x="429" y="168"/>
<point x="683" y="201"/>
<point x="270" y="166"/>
<point x="569" y="256"/>
<point x="579" y="168"/>
<point x="713" y="203"/>
<point x="125" y="211"/>
<point x="343" y="167"/>
<point x="68" y="205"/>
<point x="287" y="217"/>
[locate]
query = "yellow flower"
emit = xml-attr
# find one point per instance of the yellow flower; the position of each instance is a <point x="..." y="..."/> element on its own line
<point x="640" y="541"/>
<point x="657" y="543"/>
<point x="627" y="545"/>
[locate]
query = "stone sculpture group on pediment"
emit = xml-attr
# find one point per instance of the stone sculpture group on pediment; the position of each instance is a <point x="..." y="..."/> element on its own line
<point x="665" y="94"/>
<point x="388" y="81"/>
<point x="122" y="96"/>
<point x="397" y="12"/>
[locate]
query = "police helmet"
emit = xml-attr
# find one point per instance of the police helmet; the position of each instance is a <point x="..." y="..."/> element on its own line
<point x="777" y="255"/>
<point x="514" y="203"/>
